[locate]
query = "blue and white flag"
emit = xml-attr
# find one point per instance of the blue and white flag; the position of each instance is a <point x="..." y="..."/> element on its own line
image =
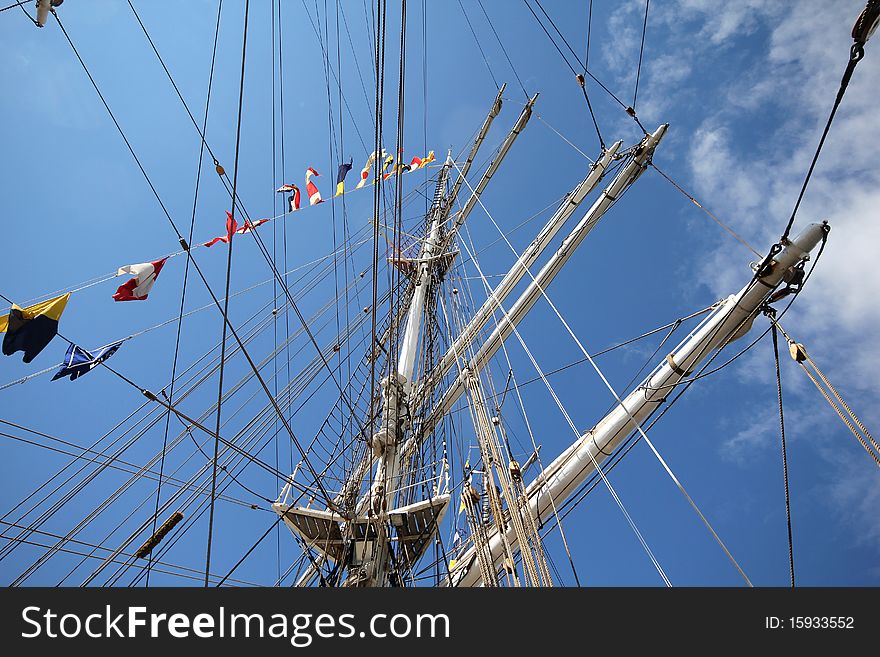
<point x="78" y="361"/>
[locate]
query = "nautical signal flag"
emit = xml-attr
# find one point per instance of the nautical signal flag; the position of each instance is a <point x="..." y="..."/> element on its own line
<point x="470" y="480"/>
<point x="455" y="548"/>
<point x="419" y="162"/>
<point x="138" y="288"/>
<point x="365" y="172"/>
<point x="31" y="329"/>
<point x="250" y="225"/>
<point x="311" y="189"/>
<point x="388" y="160"/>
<point x="231" y="227"/>
<point x="340" y="177"/>
<point x="293" y="200"/>
<point x="78" y="361"/>
<point x="398" y="168"/>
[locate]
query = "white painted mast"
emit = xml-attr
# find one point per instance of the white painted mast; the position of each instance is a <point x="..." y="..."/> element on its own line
<point x="731" y="319"/>
<point x="397" y="389"/>
<point x="520" y="268"/>
<point x="530" y="295"/>
<point x="481" y="136"/>
<point x="462" y="214"/>
<point x="525" y="261"/>
<point x="380" y="501"/>
<point x="430" y="248"/>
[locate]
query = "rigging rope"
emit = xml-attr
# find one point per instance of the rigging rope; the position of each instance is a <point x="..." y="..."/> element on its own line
<point x="632" y="419"/>
<point x="377" y="167"/>
<point x="784" y="454"/>
<point x="589" y="29"/>
<point x="116" y="464"/>
<point x="275" y="523"/>
<point x="567" y="141"/>
<point x="479" y="45"/>
<point x="800" y="355"/>
<point x="580" y="78"/>
<point x="536" y="451"/>
<point x="226" y="301"/>
<point x="275" y="185"/>
<point x="860" y="35"/>
<point x="714" y="218"/>
<point x="503" y="49"/>
<point x="283" y="181"/>
<point x="641" y="52"/>
<point x="633" y="439"/>
<point x="574" y="428"/>
<point x="180" y="236"/>
<point x="184" y="575"/>
<point x="192" y="225"/>
<point x="315" y="27"/>
<point x="17" y="4"/>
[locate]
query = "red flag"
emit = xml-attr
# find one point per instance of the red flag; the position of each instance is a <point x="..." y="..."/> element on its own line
<point x="231" y="227"/>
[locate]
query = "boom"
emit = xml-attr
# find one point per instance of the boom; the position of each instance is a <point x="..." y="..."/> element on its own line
<point x="731" y="319"/>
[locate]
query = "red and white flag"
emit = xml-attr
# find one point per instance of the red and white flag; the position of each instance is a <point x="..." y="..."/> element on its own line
<point x="311" y="189"/>
<point x="250" y="225"/>
<point x="231" y="227"/>
<point x="138" y="288"/>
<point x="293" y="200"/>
<point x="365" y="172"/>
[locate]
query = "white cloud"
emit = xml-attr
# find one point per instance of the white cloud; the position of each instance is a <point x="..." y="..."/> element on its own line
<point x="758" y="433"/>
<point x="724" y="21"/>
<point x="765" y="74"/>
<point x="755" y="187"/>
<point x="855" y="493"/>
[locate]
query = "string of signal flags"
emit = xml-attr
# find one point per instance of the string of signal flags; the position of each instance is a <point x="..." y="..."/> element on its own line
<point x="30" y="329"/>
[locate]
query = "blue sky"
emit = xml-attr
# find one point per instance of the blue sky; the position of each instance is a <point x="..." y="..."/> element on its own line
<point x="746" y="88"/>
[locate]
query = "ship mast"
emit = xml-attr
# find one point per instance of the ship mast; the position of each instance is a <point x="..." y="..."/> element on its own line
<point x="397" y="388"/>
<point x="363" y="541"/>
<point x="526" y="301"/>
